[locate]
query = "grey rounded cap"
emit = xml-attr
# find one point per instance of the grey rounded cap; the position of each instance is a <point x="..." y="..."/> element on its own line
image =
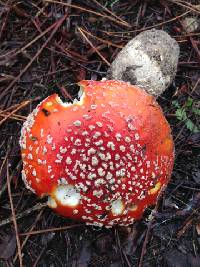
<point x="149" y="60"/>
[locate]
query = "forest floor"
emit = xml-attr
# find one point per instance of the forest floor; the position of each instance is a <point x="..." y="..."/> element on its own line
<point x="48" y="46"/>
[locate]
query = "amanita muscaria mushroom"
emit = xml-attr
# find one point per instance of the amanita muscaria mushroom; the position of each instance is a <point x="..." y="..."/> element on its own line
<point x="102" y="159"/>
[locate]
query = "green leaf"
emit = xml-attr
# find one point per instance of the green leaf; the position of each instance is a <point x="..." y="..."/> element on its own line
<point x="181" y="114"/>
<point x="189" y="102"/>
<point x="191" y="126"/>
<point x="175" y="103"/>
<point x="196" y="111"/>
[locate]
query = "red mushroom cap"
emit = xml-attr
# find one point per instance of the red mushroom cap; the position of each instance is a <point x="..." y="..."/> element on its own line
<point x="102" y="159"/>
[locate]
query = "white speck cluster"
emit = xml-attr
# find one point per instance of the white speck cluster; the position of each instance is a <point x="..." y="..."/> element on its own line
<point x="93" y="161"/>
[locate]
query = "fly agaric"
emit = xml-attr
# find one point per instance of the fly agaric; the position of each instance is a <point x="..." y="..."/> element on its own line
<point x="101" y="159"/>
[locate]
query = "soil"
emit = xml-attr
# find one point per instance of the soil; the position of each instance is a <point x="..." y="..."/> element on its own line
<point x="47" y="46"/>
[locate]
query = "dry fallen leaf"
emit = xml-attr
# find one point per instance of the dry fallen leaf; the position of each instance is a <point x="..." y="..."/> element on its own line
<point x="7" y="245"/>
<point x="198" y="228"/>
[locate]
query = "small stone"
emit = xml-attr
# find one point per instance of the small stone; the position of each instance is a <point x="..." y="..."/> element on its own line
<point x="191" y="24"/>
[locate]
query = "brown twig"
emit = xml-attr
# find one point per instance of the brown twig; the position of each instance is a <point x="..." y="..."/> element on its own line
<point x="23" y="104"/>
<point x="123" y="23"/>
<point x="22" y="214"/>
<point x="184" y="228"/>
<point x="39" y="256"/>
<point x="10" y="108"/>
<point x="149" y="227"/>
<point x="3" y="24"/>
<point x="109" y="11"/>
<point x="57" y="25"/>
<point x="14" y="218"/>
<point x="12" y="54"/>
<point x="119" y="245"/>
<point x="126" y="258"/>
<point x="100" y="39"/>
<point x="149" y="27"/>
<point x="1" y="168"/>
<point x="195" y="46"/>
<point x="14" y="117"/>
<point x="186" y="5"/>
<point x="145" y="243"/>
<point x="51" y="230"/>
<point x="95" y="49"/>
<point x="28" y="235"/>
<point x="195" y="86"/>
